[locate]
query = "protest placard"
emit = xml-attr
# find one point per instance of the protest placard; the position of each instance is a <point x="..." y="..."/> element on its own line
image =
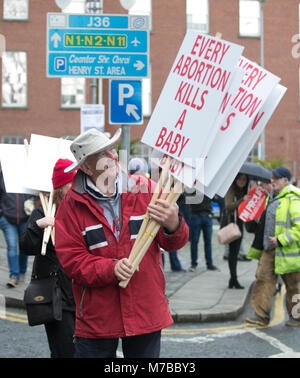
<point x="241" y="109"/>
<point x="183" y="120"/>
<point x="43" y="153"/>
<point x="193" y="168"/>
<point x="13" y="162"/>
<point x="231" y="166"/>
<point x="254" y="207"/>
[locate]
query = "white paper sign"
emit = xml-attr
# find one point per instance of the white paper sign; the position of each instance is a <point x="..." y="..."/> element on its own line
<point x="91" y="116"/>
<point x="183" y="120"/>
<point x="241" y="109"/>
<point x="13" y="162"/>
<point x="44" y="151"/>
<point x="233" y="163"/>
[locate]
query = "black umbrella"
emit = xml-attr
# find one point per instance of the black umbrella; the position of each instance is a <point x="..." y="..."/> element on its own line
<point x="256" y="171"/>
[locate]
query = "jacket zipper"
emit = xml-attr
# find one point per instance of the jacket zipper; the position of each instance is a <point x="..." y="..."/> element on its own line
<point x="81" y="302"/>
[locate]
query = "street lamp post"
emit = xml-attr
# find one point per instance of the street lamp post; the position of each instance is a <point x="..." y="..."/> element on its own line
<point x="261" y="21"/>
<point x="94" y="7"/>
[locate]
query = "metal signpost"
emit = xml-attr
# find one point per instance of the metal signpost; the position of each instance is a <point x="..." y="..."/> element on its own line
<point x="102" y="46"/>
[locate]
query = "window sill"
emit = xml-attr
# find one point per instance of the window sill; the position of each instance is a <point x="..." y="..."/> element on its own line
<point x="15" y="20"/>
<point x="70" y="108"/>
<point x="248" y="36"/>
<point x="14" y="107"/>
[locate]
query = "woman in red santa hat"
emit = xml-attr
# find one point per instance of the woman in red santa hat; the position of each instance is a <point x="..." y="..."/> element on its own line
<point x="59" y="332"/>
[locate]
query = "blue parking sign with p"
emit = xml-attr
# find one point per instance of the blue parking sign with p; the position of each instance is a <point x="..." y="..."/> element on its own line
<point x="125" y="102"/>
<point x="60" y="64"/>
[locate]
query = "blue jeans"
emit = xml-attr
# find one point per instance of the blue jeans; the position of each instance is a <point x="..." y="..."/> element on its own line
<point x="198" y="223"/>
<point x="17" y="261"/>
<point x="174" y="261"/>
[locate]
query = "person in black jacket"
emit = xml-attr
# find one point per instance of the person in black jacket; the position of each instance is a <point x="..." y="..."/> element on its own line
<point x="201" y="219"/>
<point x="59" y="333"/>
<point x="12" y="222"/>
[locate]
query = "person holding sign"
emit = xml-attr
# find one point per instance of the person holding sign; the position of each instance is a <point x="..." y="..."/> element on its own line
<point x="278" y="252"/>
<point x="233" y="198"/>
<point x="13" y="220"/>
<point x="59" y="332"/>
<point x="95" y="229"/>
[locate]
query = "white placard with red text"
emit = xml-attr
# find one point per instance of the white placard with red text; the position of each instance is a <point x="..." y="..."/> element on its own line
<point x="184" y="119"/>
<point x="233" y="163"/>
<point x="241" y="109"/>
<point x="254" y="207"/>
<point x="43" y="153"/>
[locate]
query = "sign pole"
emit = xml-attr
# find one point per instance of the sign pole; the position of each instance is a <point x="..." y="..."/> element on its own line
<point x="125" y="141"/>
<point x="96" y="84"/>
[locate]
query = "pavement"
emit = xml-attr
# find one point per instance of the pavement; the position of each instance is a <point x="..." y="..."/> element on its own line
<point x="200" y="296"/>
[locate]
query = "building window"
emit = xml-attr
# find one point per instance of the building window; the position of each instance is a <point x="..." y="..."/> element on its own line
<point x="144" y="8"/>
<point x="72" y="92"/>
<point x="76" y="6"/>
<point x="197" y="15"/>
<point x="14" y="79"/>
<point x="15" y="9"/>
<point x="13" y="139"/>
<point x="249" y="18"/>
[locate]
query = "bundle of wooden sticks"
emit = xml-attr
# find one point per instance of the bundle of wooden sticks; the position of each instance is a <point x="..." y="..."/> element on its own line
<point x="149" y="227"/>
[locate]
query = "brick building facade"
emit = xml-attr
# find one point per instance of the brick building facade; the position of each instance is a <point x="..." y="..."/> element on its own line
<point x="44" y="115"/>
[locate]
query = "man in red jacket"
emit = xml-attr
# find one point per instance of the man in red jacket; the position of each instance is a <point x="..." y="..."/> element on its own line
<point x="95" y="229"/>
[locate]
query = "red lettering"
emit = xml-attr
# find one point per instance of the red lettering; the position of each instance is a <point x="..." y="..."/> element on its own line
<point x="185" y="66"/>
<point x="178" y="65"/>
<point x="199" y="107"/>
<point x="225" y="102"/>
<point x="179" y="92"/>
<point x="196" y="44"/>
<point x="168" y="141"/>
<point x="181" y="119"/>
<point x="161" y="136"/>
<point x="183" y="144"/>
<point x="228" y="120"/>
<point x="256" y="120"/>
<point x="174" y="147"/>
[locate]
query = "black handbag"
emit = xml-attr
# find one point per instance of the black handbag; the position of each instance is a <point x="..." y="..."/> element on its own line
<point x="43" y="300"/>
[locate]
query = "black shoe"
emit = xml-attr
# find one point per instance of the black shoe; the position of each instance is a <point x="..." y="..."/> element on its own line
<point x="234" y="284"/>
<point x="243" y="258"/>
<point x="211" y="267"/>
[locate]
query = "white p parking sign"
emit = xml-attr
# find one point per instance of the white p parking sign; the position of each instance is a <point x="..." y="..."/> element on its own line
<point x="60" y="64"/>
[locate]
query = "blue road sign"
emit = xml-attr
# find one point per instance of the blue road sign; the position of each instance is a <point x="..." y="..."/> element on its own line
<point x="97" y="46"/>
<point x="125" y="100"/>
<point x="97" y="65"/>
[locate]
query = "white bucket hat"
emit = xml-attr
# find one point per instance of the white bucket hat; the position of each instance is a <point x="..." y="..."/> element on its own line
<point x="89" y="143"/>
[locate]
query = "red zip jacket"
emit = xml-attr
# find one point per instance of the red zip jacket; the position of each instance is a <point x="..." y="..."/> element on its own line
<point x="88" y="249"/>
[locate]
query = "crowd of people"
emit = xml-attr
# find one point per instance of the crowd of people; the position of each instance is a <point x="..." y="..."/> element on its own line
<point x="100" y="208"/>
